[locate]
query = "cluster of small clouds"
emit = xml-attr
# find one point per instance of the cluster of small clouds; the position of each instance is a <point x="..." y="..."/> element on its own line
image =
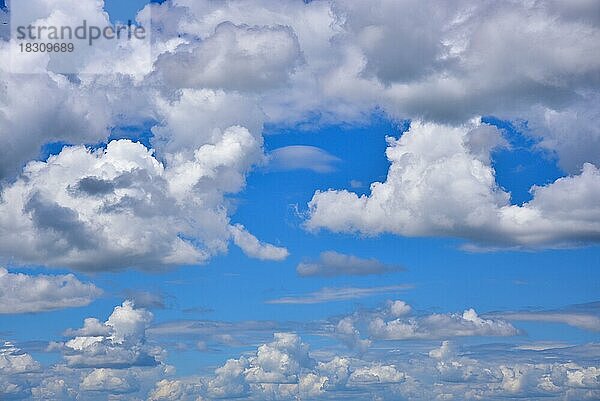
<point x="122" y="359"/>
<point x="111" y="357"/>
<point x="286" y="369"/>
<point x="397" y="322"/>
<point x="219" y="71"/>
<point x="441" y="374"/>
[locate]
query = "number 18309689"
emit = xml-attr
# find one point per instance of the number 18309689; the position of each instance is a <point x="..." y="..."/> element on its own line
<point x="42" y="47"/>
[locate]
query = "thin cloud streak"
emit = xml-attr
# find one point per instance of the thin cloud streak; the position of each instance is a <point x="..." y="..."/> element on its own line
<point x="338" y="294"/>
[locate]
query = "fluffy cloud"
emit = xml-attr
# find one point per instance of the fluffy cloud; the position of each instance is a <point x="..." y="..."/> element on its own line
<point x="15" y="366"/>
<point x="332" y="264"/>
<point x="283" y="369"/>
<point x="442" y="373"/>
<point x="376" y="374"/>
<point x="441" y="183"/>
<point x="396" y="322"/>
<point x="450" y="55"/>
<point x="118" y="343"/>
<point x="102" y="359"/>
<point x="83" y="208"/>
<point x="234" y="58"/>
<point x="15" y="361"/>
<point x="457" y="58"/>
<point x="61" y="113"/>
<point x="22" y="293"/>
<point x="121" y="207"/>
<point x="175" y="390"/>
<point x="109" y="380"/>
<point x="192" y="118"/>
<point x="493" y="379"/>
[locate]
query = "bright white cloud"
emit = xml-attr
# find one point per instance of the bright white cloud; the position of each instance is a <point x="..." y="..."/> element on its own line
<point x="22" y="293"/>
<point x="399" y="308"/>
<point x="121" y="207"/>
<point x="283" y="369"/>
<point x="441" y="183"/>
<point x="252" y="247"/>
<point x="442" y="373"/>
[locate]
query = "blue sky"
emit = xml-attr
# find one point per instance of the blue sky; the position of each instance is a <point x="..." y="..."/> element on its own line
<point x="444" y="277"/>
<point x="284" y="204"/>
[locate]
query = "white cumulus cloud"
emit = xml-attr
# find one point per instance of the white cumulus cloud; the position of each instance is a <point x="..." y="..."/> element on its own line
<point x="441" y="183"/>
<point x="22" y="293"/>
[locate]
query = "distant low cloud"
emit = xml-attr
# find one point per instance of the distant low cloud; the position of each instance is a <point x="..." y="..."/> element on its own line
<point x="397" y="322"/>
<point x="22" y="293"/>
<point x="123" y="358"/>
<point x="584" y="316"/>
<point x="339" y="294"/>
<point x="299" y="157"/>
<point x="331" y="263"/>
<point x="465" y="324"/>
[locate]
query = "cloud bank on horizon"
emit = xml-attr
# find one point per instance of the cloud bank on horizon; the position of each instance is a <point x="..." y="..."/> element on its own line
<point x="122" y="357"/>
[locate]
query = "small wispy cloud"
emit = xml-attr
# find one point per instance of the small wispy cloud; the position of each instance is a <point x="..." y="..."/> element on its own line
<point x="331" y="263"/>
<point x="581" y="321"/>
<point x="339" y="294"/>
<point x="583" y="316"/>
<point x="300" y="157"/>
